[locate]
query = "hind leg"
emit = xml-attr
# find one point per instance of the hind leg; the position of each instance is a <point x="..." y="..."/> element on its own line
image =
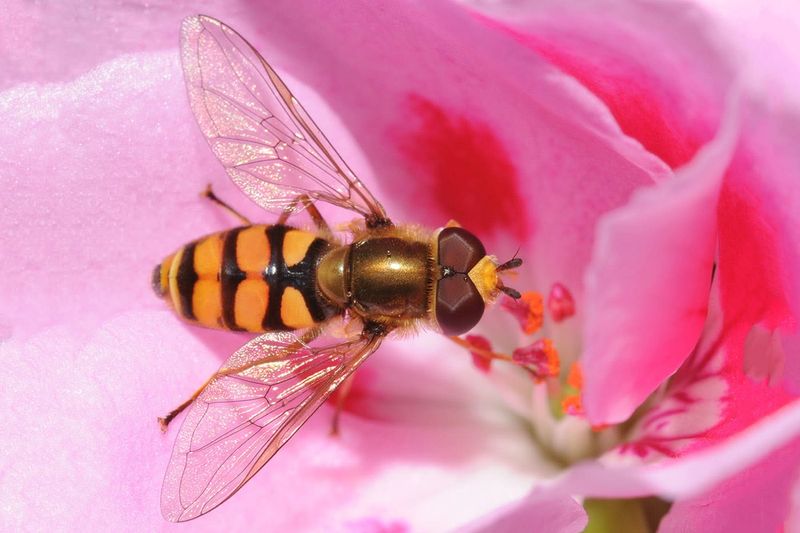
<point x="312" y="210"/>
<point x="208" y="193"/>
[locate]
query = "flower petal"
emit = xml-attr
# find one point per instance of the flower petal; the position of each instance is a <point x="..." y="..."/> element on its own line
<point x="627" y="56"/>
<point x="55" y="42"/>
<point x="82" y="447"/>
<point x="691" y="475"/>
<point x="104" y="175"/>
<point x="649" y="281"/>
<point x="448" y="115"/>
<point x="100" y="191"/>
<point x="757" y="499"/>
<point x="538" y="512"/>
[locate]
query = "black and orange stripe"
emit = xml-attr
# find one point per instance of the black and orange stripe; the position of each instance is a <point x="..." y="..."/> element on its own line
<point x="253" y="278"/>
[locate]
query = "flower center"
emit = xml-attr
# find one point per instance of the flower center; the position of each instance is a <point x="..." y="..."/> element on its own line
<point x="558" y="420"/>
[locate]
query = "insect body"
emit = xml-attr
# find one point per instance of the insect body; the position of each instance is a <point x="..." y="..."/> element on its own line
<point x="289" y="283"/>
<point x="255" y="278"/>
<point x="276" y="278"/>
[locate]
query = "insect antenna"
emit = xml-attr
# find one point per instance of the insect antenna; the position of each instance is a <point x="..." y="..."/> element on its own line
<point x="511" y="292"/>
<point x="514" y="262"/>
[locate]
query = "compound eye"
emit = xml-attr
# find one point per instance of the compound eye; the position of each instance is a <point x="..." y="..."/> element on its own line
<point x="459" y="305"/>
<point x="459" y="249"/>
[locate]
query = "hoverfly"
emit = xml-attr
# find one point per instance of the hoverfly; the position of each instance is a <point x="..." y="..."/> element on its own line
<point x="289" y="283"/>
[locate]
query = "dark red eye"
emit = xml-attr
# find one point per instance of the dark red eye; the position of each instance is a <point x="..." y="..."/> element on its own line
<point x="459" y="305"/>
<point x="459" y="249"/>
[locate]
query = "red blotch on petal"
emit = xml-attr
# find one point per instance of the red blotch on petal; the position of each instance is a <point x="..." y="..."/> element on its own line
<point x="637" y="99"/>
<point x="465" y="169"/>
<point x="629" y="98"/>
<point x="750" y="278"/>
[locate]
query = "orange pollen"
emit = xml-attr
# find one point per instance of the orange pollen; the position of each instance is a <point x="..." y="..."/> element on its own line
<point x="572" y="405"/>
<point x="529" y="310"/>
<point x="575" y="376"/>
<point x="541" y="358"/>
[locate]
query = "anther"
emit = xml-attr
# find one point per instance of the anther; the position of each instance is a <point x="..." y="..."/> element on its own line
<point x="572" y="403"/>
<point x="560" y="303"/>
<point x="479" y="359"/>
<point x="528" y="310"/>
<point x="540" y="357"/>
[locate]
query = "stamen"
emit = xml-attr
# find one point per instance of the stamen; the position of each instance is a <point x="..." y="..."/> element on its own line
<point x="528" y="309"/>
<point x="480" y="360"/>
<point x="560" y="303"/>
<point x="540" y="357"/>
<point x="477" y="348"/>
<point x="575" y="376"/>
<point x="572" y="403"/>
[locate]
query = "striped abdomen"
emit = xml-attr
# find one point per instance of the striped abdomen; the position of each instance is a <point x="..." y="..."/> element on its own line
<point x="254" y="278"/>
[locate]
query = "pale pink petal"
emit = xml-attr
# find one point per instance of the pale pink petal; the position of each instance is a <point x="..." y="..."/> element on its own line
<point x="103" y="178"/>
<point x="538" y="512"/>
<point x="691" y="475"/>
<point x="756" y="499"/>
<point x="649" y="282"/>
<point x="82" y="448"/>
<point x="46" y="42"/>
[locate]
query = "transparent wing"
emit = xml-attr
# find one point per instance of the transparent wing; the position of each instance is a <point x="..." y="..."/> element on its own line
<point x="266" y="141"/>
<point x="262" y="395"/>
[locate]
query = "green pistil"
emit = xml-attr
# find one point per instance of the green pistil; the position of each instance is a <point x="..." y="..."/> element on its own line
<point x="640" y="515"/>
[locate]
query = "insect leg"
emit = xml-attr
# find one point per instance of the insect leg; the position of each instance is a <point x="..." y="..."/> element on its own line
<point x="208" y="193"/>
<point x="164" y="421"/>
<point x="341" y="395"/>
<point x="301" y="341"/>
<point x="313" y="212"/>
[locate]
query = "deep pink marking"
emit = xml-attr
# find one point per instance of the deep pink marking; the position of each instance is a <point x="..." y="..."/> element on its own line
<point x="465" y="170"/>
<point x="750" y="265"/>
<point x="644" y="107"/>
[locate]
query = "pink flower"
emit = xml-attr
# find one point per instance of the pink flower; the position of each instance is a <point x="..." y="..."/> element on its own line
<point x="730" y="210"/>
<point x="553" y="135"/>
